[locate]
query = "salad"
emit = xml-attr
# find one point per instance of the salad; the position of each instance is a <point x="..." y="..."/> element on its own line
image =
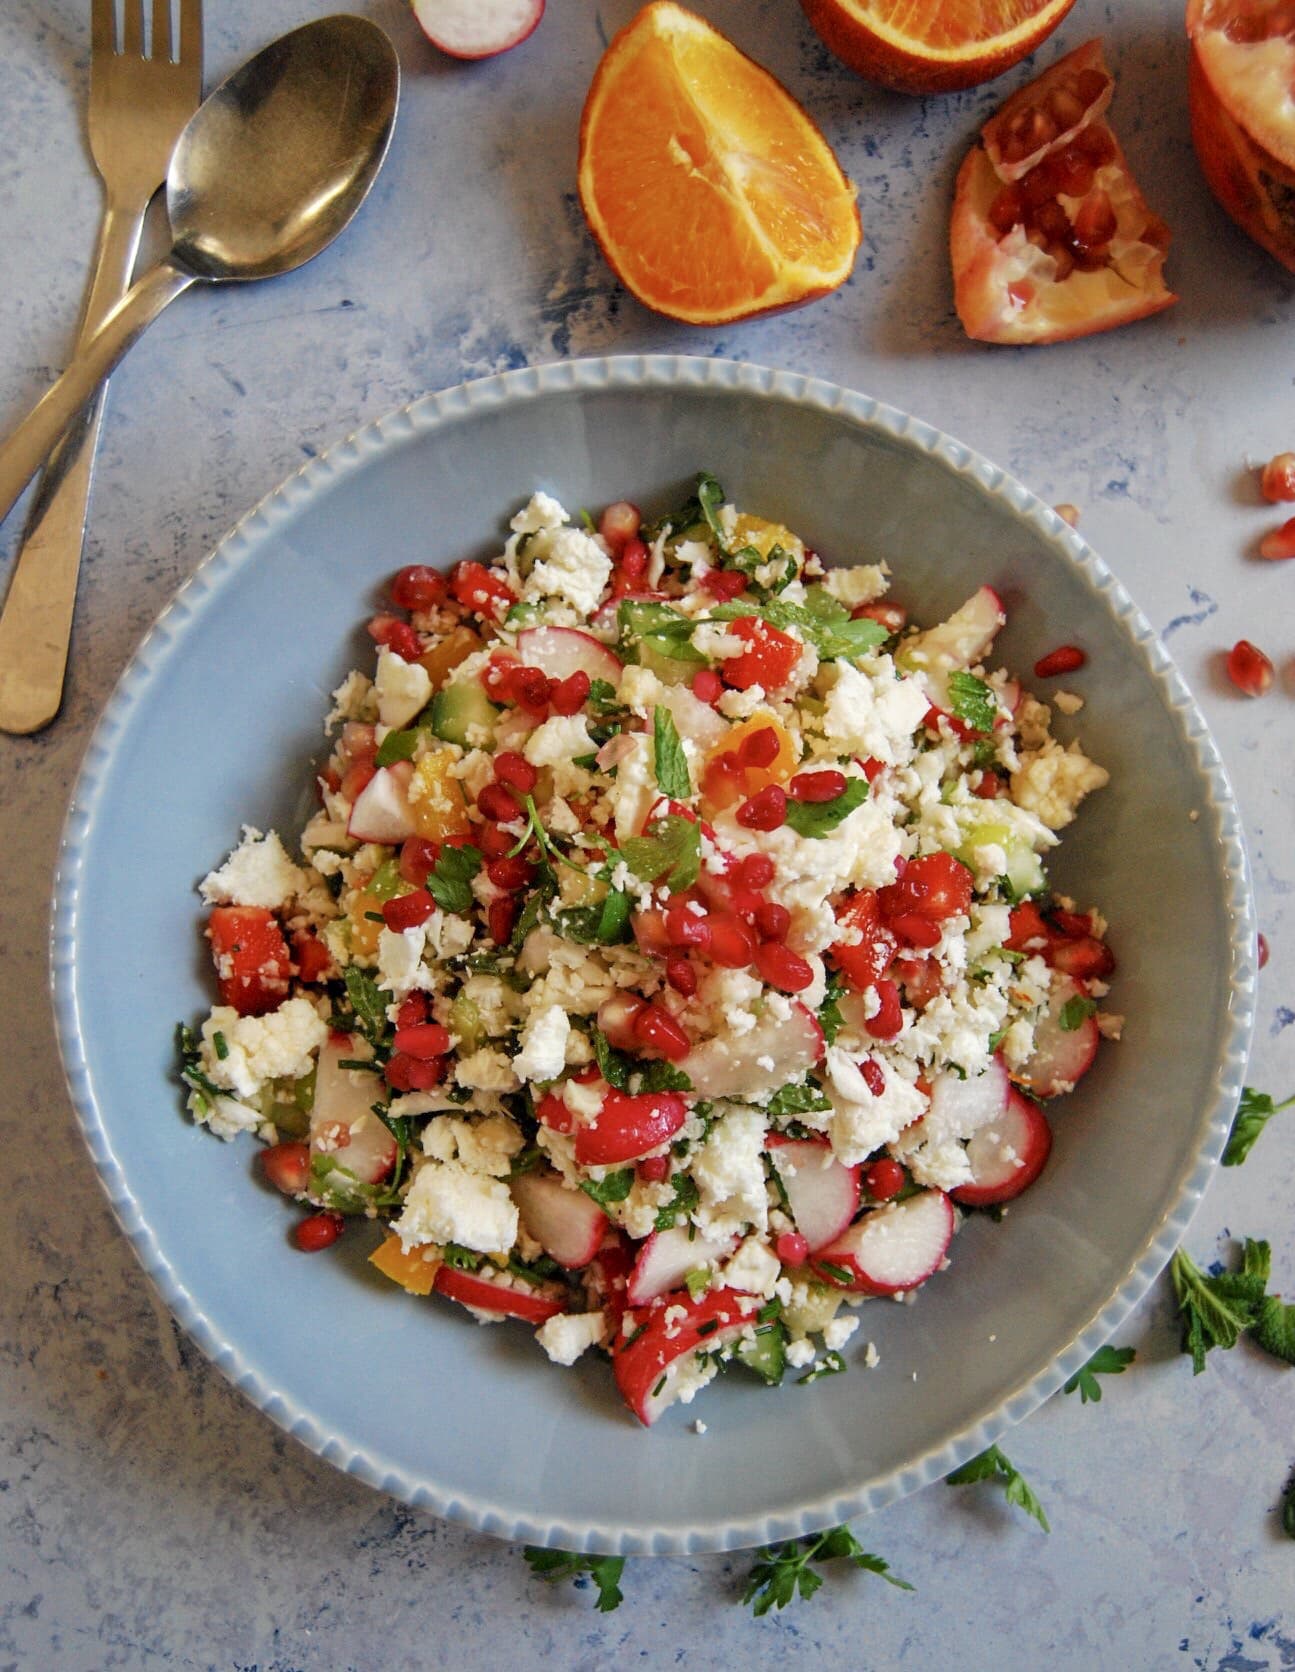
<point x="670" y="965"/>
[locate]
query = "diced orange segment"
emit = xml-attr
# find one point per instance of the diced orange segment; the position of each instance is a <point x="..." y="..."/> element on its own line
<point x="414" y="1271"/>
<point x="721" y="790"/>
<point x="441" y="660"/>
<point x="436" y="798"/>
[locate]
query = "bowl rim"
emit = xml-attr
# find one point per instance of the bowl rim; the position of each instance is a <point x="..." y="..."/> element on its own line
<point x="424" y="416"/>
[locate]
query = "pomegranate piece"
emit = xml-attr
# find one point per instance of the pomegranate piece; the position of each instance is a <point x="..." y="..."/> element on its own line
<point x="287" y="1167"/>
<point x="1279" y="544"/>
<point x="1050" y="236"/>
<point x="864" y="961"/>
<point x="648" y="1364"/>
<point x="318" y="1232"/>
<point x="489" y="1294"/>
<point x="1277" y="482"/>
<point x="1007" y="1155"/>
<point x="822" y="1192"/>
<point x="1249" y="669"/>
<point x="251" y="955"/>
<point x="892" y="1249"/>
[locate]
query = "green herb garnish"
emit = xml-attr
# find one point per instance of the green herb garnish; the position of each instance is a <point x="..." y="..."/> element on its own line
<point x="1075" y="1012"/>
<point x="451" y="878"/>
<point x="783" y="1571"/>
<point x="1106" y="1361"/>
<point x="993" y="1465"/>
<point x="972" y="701"/>
<point x="556" y="1565"/>
<point x="820" y="818"/>
<point x="1254" y="1112"/>
<point x="614" y="1188"/>
<point x="670" y="763"/>
<point x="669" y="853"/>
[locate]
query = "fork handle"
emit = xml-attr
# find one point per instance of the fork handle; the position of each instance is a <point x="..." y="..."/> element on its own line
<point x="36" y="625"/>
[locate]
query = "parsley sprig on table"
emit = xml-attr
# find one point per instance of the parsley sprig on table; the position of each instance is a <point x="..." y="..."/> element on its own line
<point x="992" y="1465"/>
<point x="1106" y="1361"/>
<point x="555" y="1565"/>
<point x="782" y="1571"/>
<point x="1254" y="1112"/>
<point x="1219" y="1308"/>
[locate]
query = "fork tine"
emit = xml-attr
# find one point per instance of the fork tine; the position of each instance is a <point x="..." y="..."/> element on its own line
<point x="103" y="28"/>
<point x="162" y="49"/>
<point x="132" y="38"/>
<point x="191" y="34"/>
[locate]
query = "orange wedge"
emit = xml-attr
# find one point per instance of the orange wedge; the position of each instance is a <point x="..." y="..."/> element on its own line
<point x="712" y="194"/>
<point x="918" y="47"/>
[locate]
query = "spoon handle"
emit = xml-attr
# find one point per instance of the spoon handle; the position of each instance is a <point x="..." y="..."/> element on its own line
<point x="23" y="453"/>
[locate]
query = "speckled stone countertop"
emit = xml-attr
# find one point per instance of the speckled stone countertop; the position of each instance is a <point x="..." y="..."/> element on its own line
<point x="150" y="1517"/>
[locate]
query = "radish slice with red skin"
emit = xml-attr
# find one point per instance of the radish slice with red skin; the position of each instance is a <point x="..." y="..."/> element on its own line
<point x="477" y="28"/>
<point x="485" y="1294"/>
<point x="629" y="1126"/>
<point x="731" y="1067"/>
<point x="382" y="812"/>
<point x="822" y="1192"/>
<point x="959" y="642"/>
<point x="343" y="1103"/>
<point x="568" y="1224"/>
<point x="1061" y="1056"/>
<point x="648" y="1365"/>
<point x="562" y="651"/>
<point x="964" y="1106"/>
<point x="892" y="1249"/>
<point x="1008" y="1155"/>
<point x="616" y="1019"/>
<point x="666" y="1258"/>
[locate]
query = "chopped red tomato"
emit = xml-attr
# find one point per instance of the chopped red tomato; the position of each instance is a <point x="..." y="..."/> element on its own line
<point x="252" y="961"/>
<point x="863" y="960"/>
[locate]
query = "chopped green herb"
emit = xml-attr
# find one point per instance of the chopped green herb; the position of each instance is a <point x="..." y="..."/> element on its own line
<point x="831" y="1364"/>
<point x="605" y="1571"/>
<point x="1254" y="1112"/>
<point x="1075" y="1012"/>
<point x="670" y="763"/>
<point x="602" y="699"/>
<point x="397" y="746"/>
<point x="538" y="1271"/>
<point x="1217" y="1309"/>
<point x="220" y="1045"/>
<point x="614" y="1188"/>
<point x="614" y="1066"/>
<point x="797" y="1098"/>
<point x="191" y="1072"/>
<point x="696" y="1282"/>
<point x="841" y="1274"/>
<point x="1106" y="1361"/>
<point x="686" y="1197"/>
<point x="669" y="853"/>
<point x="605" y="924"/>
<point x="993" y="1465"/>
<point x="820" y="818"/>
<point x="660" y="1076"/>
<point x="368" y="1004"/>
<point x="460" y="1259"/>
<point x="782" y="1571"/>
<point x="830" y="1018"/>
<point x="450" y="881"/>
<point x="973" y="701"/>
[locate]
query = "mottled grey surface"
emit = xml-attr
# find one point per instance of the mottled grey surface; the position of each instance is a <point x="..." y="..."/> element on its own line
<point x="150" y="1517"/>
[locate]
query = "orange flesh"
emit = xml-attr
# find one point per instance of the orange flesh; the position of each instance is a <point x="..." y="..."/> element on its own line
<point x="954" y="24"/>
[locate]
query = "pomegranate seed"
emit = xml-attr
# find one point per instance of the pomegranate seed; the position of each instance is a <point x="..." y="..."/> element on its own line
<point x="498" y="802"/>
<point x="532" y="689"/>
<point x="884" y="1179"/>
<point x="1074" y="172"/>
<point x="1090" y="86"/>
<point x="1278" y="479"/>
<point x="791" y="1248"/>
<point x="685" y="928"/>
<point x="724" y="584"/>
<point x="756" y="871"/>
<point x="407" y="911"/>
<point x="772" y="920"/>
<point x="405" y="1072"/>
<point x="765" y="810"/>
<point x="287" y="1166"/>
<point x="654" y="1169"/>
<point x="681" y="976"/>
<point x="516" y="771"/>
<point x="1007" y="210"/>
<point x="500" y="917"/>
<point x="418" y="859"/>
<point x="427" y="1039"/>
<point x="1066" y="658"/>
<point x="657" y="1030"/>
<point x="707" y="686"/>
<point x="874" y="1076"/>
<point x="321" y="1230"/>
<point x="782" y="968"/>
<point x="572" y="693"/>
<point x="412" y="1012"/>
<point x="634" y="560"/>
<point x="745" y="902"/>
<point x="619" y="522"/>
<point x="1249" y="669"/>
<point x="1065" y="107"/>
<point x="510" y="873"/>
<point x="1263" y="950"/>
<point x="732" y="945"/>
<point x="1095" y="223"/>
<point x="494" y="841"/>
<point x="1280" y="543"/>
<point x="1097" y="143"/>
<point x="816" y="786"/>
<point x="416" y="587"/>
<point x="759" y="748"/>
<point x="396" y="636"/>
<point x="890" y="1018"/>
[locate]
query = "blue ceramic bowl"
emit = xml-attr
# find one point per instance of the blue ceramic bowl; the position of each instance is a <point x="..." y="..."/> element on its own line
<point x="215" y="722"/>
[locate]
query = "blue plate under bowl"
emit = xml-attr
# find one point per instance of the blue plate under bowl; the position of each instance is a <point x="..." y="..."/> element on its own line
<point x="216" y="721"/>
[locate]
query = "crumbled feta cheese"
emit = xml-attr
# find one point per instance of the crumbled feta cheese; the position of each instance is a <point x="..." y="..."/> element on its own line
<point x="752" y="1268"/>
<point x="568" y="1334"/>
<point x="403" y="688"/>
<point x="449" y="1203"/>
<point x="559" y="742"/>
<point x="400" y="960"/>
<point x="861" y="1122"/>
<point x="257" y="873"/>
<point x="483" y="1146"/>
<point x="863" y="584"/>
<point x="277" y="1046"/>
<point x="574" y="567"/>
<point x="1053" y="781"/>
<point x="354" y="699"/>
<point x="486" y="1070"/>
<point x="838" y="1332"/>
<point x="543" y="1045"/>
<point x="540" y="512"/>
<point x="729" y="1172"/>
<point x="1069" y="702"/>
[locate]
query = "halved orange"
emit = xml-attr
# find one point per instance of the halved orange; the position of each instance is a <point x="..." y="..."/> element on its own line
<point x="712" y="193"/>
<point x="918" y="47"/>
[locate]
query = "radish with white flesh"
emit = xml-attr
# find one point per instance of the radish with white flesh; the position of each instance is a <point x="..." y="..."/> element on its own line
<point x="693" y="718"/>
<point x="666" y="1258"/>
<point x="567" y="1224"/>
<point x="959" y="642"/>
<point x="891" y="1249"/>
<point x="1061" y="1056"/>
<point x="382" y="812"/>
<point x="822" y="1192"/>
<point x="650" y="1365"/>
<point x="477" y="28"/>
<point x="536" y="1304"/>
<point x="562" y="651"/>
<point x="1006" y="1156"/>
<point x="343" y="1109"/>
<point x="963" y="1106"/>
<point x="731" y="1067"/>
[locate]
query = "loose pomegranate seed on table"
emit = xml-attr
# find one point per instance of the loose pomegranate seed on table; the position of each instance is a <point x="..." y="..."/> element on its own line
<point x="320" y="1231"/>
<point x="1066" y="658"/>
<point x="1277" y="481"/>
<point x="1279" y="543"/>
<point x="1249" y="669"/>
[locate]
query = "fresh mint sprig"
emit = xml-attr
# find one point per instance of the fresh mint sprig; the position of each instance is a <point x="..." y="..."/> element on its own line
<point x="1254" y="1112"/>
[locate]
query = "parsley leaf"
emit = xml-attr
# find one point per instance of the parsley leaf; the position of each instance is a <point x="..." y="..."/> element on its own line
<point x="685" y="1199"/>
<point x="1254" y="1112"/>
<point x="369" y="1004"/>
<point x="397" y="746"/>
<point x="821" y="620"/>
<point x="190" y="1054"/>
<point x="614" y="1188"/>
<point x="670" y="852"/>
<point x="614" y="1066"/>
<point x="797" y="1098"/>
<point x="450" y="881"/>
<point x="602" y="699"/>
<point x="1217" y="1309"/>
<point x="1106" y="1361"/>
<point x="670" y="763"/>
<point x="1075" y="1012"/>
<point x="820" y="818"/>
<point x="972" y="700"/>
<point x="993" y="1465"/>
<point x="830" y="1018"/>
<point x="782" y="1570"/>
<point x="556" y="1565"/>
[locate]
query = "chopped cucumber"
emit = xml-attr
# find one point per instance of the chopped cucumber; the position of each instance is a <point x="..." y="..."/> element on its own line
<point x="1024" y="868"/>
<point x="767" y="1353"/>
<point x="457" y="708"/>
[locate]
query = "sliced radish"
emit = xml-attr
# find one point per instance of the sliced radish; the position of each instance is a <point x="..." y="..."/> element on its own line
<point x="961" y="1107"/>
<point x="666" y="1258"/>
<point x="477" y="28"/>
<point x="494" y="1297"/>
<point x="891" y="1249"/>
<point x="822" y="1192"/>
<point x="342" y="1122"/>
<point x="616" y="1019"/>
<point x="732" y="1067"/>
<point x="568" y="1224"/>
<point x="382" y="812"/>
<point x="650" y="1364"/>
<point x="562" y="651"/>
<point x="629" y="1126"/>
<point x="1007" y="1155"/>
<point x="956" y="643"/>
<point x="1061" y="1056"/>
<point x="694" y="719"/>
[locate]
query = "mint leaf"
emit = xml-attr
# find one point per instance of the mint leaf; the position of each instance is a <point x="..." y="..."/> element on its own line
<point x="1216" y="1310"/>
<point x="830" y="1018"/>
<point x="614" y="1188"/>
<point x="685" y="1199"/>
<point x="796" y="1098"/>
<point x="994" y="1466"/>
<point x="1274" y="1328"/>
<point x="1106" y="1361"/>
<point x="972" y="701"/>
<point x="781" y="1572"/>
<point x="450" y="881"/>
<point x="670" y="852"/>
<point x="555" y="1565"/>
<point x="397" y="746"/>
<point x="1254" y="1112"/>
<point x="710" y="497"/>
<point x="820" y="818"/>
<point x="1075" y="1012"/>
<point x="670" y="762"/>
<point x="605" y="924"/>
